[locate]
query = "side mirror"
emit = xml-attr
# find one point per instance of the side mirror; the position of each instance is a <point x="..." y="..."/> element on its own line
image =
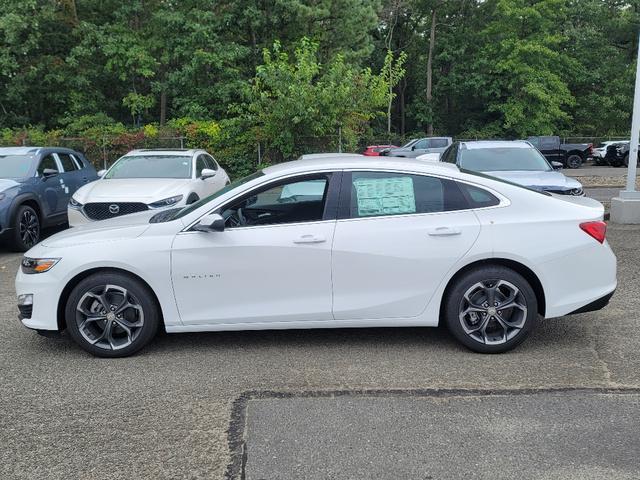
<point x="49" y="172"/>
<point x="210" y="223"/>
<point x="207" y="173"/>
<point x="102" y="172"/>
<point x="557" y="165"/>
<point x="413" y="147"/>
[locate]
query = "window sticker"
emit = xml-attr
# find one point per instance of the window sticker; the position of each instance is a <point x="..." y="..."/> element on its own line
<point x="385" y="196"/>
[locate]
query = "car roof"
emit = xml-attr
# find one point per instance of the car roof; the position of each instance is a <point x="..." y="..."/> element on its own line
<point x="479" y="144"/>
<point x="340" y="163"/>
<point x="312" y="156"/>
<point x="34" y="150"/>
<point x="179" y="152"/>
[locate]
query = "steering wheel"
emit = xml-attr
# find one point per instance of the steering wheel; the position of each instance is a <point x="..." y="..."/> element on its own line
<point x="235" y="218"/>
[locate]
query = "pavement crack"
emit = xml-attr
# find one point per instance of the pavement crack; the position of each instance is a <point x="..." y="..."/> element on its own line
<point x="600" y="361"/>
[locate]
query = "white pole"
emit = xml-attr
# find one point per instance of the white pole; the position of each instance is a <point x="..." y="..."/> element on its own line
<point x="635" y="135"/>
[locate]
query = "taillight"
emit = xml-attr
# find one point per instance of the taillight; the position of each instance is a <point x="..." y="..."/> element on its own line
<point x="597" y="230"/>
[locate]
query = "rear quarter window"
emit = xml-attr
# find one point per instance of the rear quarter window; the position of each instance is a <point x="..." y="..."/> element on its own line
<point x="478" y="197"/>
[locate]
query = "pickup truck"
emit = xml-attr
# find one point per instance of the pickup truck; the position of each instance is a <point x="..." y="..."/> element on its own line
<point x="571" y="155"/>
<point x="618" y="154"/>
<point x="419" y="146"/>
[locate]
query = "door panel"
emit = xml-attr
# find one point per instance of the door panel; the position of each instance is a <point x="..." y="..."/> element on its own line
<point x="389" y="267"/>
<point x="254" y="274"/>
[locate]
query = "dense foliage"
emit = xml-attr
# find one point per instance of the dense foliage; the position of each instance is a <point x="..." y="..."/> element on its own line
<point x="282" y="77"/>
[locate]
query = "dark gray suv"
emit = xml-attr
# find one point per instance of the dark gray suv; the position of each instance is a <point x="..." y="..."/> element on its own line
<point x="36" y="184"/>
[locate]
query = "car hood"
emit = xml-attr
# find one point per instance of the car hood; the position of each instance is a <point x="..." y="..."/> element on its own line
<point x="6" y="184"/>
<point x="119" y="228"/>
<point x="542" y="180"/>
<point x="145" y="190"/>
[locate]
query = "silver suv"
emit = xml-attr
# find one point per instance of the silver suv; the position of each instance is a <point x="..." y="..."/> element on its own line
<point x="420" y="146"/>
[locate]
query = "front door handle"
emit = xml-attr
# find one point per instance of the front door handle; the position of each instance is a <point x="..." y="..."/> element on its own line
<point x="310" y="239"/>
<point x="444" y="231"/>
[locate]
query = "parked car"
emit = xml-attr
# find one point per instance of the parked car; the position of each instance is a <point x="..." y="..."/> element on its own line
<point x="419" y="146"/>
<point x="370" y="243"/>
<point x="319" y="156"/>
<point x="571" y="155"/>
<point x="618" y="154"/>
<point x="516" y="161"/>
<point x="599" y="153"/>
<point x="36" y="184"/>
<point x="429" y="157"/>
<point x="147" y="180"/>
<point x="374" y="150"/>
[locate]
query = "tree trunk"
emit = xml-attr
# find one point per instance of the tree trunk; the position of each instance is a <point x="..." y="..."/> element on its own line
<point x="163" y="106"/>
<point x="432" y="40"/>
<point x="403" y="87"/>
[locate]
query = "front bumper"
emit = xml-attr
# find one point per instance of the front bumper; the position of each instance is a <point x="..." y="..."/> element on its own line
<point x="45" y="289"/>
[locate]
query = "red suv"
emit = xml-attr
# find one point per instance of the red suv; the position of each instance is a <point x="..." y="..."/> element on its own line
<point x="374" y="150"/>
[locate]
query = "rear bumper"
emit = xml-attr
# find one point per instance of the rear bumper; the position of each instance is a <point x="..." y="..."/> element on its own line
<point x="598" y="304"/>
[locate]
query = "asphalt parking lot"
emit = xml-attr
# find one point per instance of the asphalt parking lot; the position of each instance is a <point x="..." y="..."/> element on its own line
<point x="356" y="403"/>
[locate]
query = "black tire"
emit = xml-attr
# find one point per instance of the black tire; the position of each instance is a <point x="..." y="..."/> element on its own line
<point x="107" y="328"/>
<point x="192" y="198"/>
<point x="26" y="228"/>
<point x="574" y="161"/>
<point x="495" y="337"/>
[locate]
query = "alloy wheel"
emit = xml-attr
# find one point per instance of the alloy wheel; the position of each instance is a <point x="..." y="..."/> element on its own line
<point x="29" y="228"/>
<point x="492" y="312"/>
<point x="109" y="317"/>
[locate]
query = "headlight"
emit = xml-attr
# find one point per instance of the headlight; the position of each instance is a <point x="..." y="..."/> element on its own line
<point x="73" y="203"/>
<point x="576" y="192"/>
<point x="38" y="265"/>
<point x="167" y="202"/>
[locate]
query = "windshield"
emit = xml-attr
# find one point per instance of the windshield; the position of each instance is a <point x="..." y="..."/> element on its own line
<point x="151" y="166"/>
<point x="15" y="166"/>
<point x="503" y="159"/>
<point x="174" y="214"/>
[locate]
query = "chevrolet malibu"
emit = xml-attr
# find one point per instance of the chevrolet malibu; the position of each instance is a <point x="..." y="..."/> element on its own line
<point x="327" y="244"/>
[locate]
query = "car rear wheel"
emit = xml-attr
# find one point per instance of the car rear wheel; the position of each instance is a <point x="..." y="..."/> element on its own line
<point x="574" y="161"/>
<point x="111" y="315"/>
<point x="26" y="230"/>
<point x="491" y="309"/>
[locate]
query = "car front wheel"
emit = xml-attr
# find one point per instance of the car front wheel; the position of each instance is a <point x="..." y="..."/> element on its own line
<point x="111" y="314"/>
<point x="26" y="232"/>
<point x="491" y="309"/>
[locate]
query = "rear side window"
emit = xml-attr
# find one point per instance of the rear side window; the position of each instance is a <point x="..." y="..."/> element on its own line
<point x="67" y="162"/>
<point x="380" y="193"/>
<point x="478" y="197"/>
<point x="78" y="162"/>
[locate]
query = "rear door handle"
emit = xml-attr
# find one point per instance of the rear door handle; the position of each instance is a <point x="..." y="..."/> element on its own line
<point x="309" y="239"/>
<point x="444" y="231"/>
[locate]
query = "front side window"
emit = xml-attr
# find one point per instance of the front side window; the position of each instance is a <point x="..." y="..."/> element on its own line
<point x="201" y="164"/>
<point x="294" y="201"/>
<point x="211" y="163"/>
<point x="151" y="166"/>
<point x="381" y="193"/>
<point x="422" y="144"/>
<point x="47" y="163"/>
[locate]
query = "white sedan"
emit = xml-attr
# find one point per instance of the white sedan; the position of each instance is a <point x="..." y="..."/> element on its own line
<point x="147" y="180"/>
<point x="326" y="244"/>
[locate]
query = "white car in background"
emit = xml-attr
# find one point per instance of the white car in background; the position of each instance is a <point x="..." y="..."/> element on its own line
<point x="327" y="244"/>
<point x="147" y="180"/>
